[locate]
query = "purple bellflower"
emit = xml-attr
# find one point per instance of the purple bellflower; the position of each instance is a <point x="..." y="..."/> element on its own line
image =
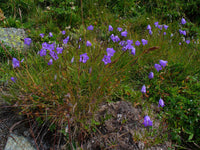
<point x="124" y="33"/>
<point x="63" y="32"/>
<point x="133" y="51"/>
<point x="161" y="103"/>
<point x="53" y="55"/>
<point x="151" y="75"/>
<point x="13" y="79"/>
<point x="50" y="34"/>
<point x="137" y="43"/>
<point x="43" y="52"/>
<point x="15" y="63"/>
<point x="50" y="62"/>
<point x="148" y="27"/>
<point x="110" y="52"/>
<point x="90" y="27"/>
<point x="42" y="35"/>
<point x="119" y="29"/>
<point x="156" y="24"/>
<point x="110" y="28"/>
<point x="150" y="32"/>
<point x="83" y="58"/>
<point x="187" y="41"/>
<point x="106" y="59"/>
<point x="72" y="60"/>
<point x="165" y="26"/>
<point x="143" y="90"/>
<point x="59" y="50"/>
<point x="88" y="43"/>
<point x="183" y="21"/>
<point x="163" y="63"/>
<point x="65" y="41"/>
<point x="147" y="121"/>
<point x="144" y="42"/>
<point x="158" y="67"/>
<point x="27" y="41"/>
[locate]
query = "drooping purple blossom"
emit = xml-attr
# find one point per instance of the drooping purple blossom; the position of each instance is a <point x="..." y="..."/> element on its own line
<point x="133" y="51"/>
<point x="63" y="32"/>
<point x="124" y="33"/>
<point x="148" y="27"/>
<point x="187" y="41"/>
<point x="50" y="62"/>
<point x="137" y="43"/>
<point x="53" y="55"/>
<point x="59" y="50"/>
<point x="144" y="42"/>
<point x="150" y="32"/>
<point x="182" y="32"/>
<point x="72" y="60"/>
<point x="42" y="52"/>
<point x="164" y="33"/>
<point x="143" y="90"/>
<point x="88" y="43"/>
<point x="110" y="52"/>
<point x="129" y="41"/>
<point x="119" y="29"/>
<point x="165" y="26"/>
<point x="110" y="28"/>
<point x="50" y="34"/>
<point x="156" y="24"/>
<point x="27" y="41"/>
<point x="161" y="103"/>
<point x="106" y="59"/>
<point x="90" y="27"/>
<point x="13" y="79"/>
<point x="44" y="45"/>
<point x="51" y="47"/>
<point x="183" y="21"/>
<point x="160" y="27"/>
<point x="122" y="43"/>
<point x="151" y="75"/>
<point x="42" y="35"/>
<point x="163" y="63"/>
<point x="15" y="63"/>
<point x="147" y="121"/>
<point x="65" y="41"/>
<point x="179" y="43"/>
<point x="84" y="57"/>
<point x="158" y="67"/>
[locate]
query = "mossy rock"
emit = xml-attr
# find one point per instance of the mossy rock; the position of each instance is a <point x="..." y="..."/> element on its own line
<point x="13" y="38"/>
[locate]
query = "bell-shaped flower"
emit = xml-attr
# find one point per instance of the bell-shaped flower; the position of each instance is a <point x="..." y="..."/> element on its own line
<point x="106" y="59"/>
<point x="144" y="42"/>
<point x="50" y="62"/>
<point x="15" y="63"/>
<point x="90" y="27"/>
<point x="143" y="90"/>
<point x="148" y="27"/>
<point x="151" y="75"/>
<point x="84" y="57"/>
<point x="137" y="43"/>
<point x="161" y="103"/>
<point x="88" y="43"/>
<point x="147" y="121"/>
<point x="110" y="52"/>
<point x="110" y="28"/>
<point x="27" y="41"/>
<point x="124" y="33"/>
<point x="43" y="52"/>
<point x="158" y="67"/>
<point x="163" y="63"/>
<point x="119" y="29"/>
<point x="13" y="79"/>
<point x="183" y="21"/>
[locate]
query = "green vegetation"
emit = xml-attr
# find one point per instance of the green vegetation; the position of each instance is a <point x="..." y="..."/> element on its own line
<point x="72" y="90"/>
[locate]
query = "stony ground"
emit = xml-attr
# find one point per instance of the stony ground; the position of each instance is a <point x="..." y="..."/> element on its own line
<point x="120" y="128"/>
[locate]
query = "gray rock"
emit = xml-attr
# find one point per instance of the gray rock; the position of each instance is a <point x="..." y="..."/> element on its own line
<point x="13" y="38"/>
<point x="18" y="143"/>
